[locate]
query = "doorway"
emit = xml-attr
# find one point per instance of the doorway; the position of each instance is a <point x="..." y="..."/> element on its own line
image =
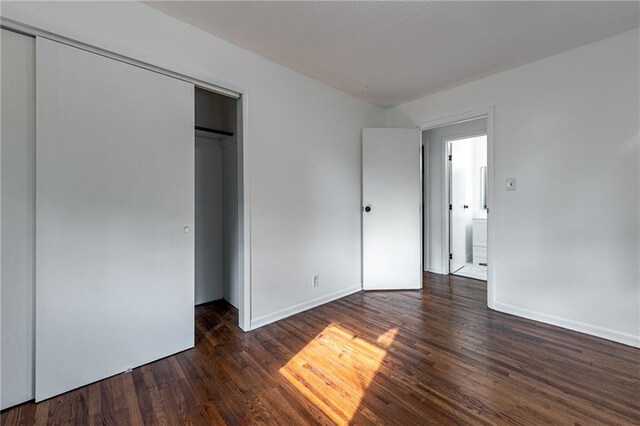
<point x="467" y="159"/>
<point x="455" y="197"/>
<point x="217" y="267"/>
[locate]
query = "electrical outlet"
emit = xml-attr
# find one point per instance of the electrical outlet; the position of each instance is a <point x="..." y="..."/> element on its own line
<point x="316" y="281"/>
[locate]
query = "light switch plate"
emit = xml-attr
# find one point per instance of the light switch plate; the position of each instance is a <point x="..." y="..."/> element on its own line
<point x="511" y="184"/>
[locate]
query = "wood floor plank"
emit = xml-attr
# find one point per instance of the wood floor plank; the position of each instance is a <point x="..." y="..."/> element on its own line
<point x="436" y="356"/>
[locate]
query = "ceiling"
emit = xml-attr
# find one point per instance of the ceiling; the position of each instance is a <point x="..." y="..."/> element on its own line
<point x="388" y="53"/>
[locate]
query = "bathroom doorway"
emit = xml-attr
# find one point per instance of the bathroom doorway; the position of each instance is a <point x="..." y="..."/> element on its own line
<point x="456" y="184"/>
<point x="467" y="159"/>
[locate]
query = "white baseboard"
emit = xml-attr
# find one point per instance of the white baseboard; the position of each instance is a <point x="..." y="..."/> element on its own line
<point x="435" y="271"/>
<point x="287" y="312"/>
<point x="593" y="330"/>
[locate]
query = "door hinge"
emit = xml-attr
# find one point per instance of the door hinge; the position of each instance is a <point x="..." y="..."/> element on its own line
<point x="450" y="157"/>
<point x="450" y="206"/>
<point x="450" y="256"/>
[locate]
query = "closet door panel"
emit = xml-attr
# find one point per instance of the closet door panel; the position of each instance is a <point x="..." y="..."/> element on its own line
<point x="17" y="225"/>
<point x="115" y="177"/>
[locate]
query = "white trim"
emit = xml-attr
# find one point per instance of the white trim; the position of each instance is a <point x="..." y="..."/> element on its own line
<point x="487" y="112"/>
<point x="244" y="156"/>
<point x="421" y="198"/>
<point x="301" y="307"/>
<point x="456" y="118"/>
<point x="446" y="219"/>
<point x="491" y="278"/>
<point x="29" y="23"/>
<point x="592" y="330"/>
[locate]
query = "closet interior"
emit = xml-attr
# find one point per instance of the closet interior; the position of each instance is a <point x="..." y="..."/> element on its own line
<point x="216" y="198"/>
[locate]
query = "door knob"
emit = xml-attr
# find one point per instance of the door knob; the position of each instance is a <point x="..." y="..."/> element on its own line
<point x="368" y="208"/>
<point x="186" y="229"/>
<point x="465" y="206"/>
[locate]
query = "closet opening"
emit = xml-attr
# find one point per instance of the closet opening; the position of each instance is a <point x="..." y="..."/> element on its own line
<point x="217" y="225"/>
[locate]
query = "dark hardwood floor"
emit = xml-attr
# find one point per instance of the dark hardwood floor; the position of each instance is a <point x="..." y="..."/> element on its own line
<point x="436" y="356"/>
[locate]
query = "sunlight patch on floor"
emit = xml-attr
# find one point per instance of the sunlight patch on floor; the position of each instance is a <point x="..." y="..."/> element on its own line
<point x="334" y="370"/>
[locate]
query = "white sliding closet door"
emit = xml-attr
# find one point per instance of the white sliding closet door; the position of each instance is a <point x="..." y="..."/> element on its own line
<point x="115" y="191"/>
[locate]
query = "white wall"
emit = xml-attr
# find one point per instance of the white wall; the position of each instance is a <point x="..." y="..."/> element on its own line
<point x="567" y="241"/>
<point x="304" y="143"/>
<point x="18" y="218"/>
<point x="208" y="221"/>
<point x="435" y="260"/>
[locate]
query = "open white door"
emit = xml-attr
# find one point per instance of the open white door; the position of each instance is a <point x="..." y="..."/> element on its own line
<point x="460" y="215"/>
<point x="115" y="198"/>
<point x="391" y="218"/>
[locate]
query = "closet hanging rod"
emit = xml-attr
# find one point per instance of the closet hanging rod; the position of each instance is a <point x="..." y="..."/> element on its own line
<point x="220" y="132"/>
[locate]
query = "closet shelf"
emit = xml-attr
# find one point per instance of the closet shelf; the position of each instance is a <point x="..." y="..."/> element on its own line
<point x="216" y="131"/>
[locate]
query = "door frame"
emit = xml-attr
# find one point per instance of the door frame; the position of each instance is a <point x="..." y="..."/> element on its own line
<point x="488" y="113"/>
<point x="32" y="25"/>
